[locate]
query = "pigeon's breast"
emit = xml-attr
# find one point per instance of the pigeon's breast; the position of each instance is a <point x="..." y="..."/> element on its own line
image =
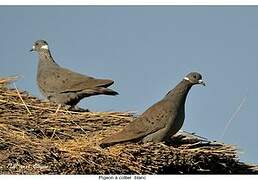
<point x="178" y="122"/>
<point x="41" y="83"/>
<point x="45" y="80"/>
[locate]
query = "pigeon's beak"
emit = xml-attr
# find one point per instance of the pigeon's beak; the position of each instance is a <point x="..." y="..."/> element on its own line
<point x="33" y="49"/>
<point x="201" y="82"/>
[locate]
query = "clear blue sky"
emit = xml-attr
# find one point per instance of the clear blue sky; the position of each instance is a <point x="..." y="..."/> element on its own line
<point x="147" y="51"/>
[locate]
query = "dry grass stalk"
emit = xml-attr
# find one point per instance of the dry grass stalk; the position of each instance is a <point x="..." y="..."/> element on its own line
<point x="6" y="80"/>
<point x="21" y="99"/>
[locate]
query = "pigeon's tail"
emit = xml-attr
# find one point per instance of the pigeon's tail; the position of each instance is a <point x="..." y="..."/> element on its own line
<point x="107" y="91"/>
<point x="109" y="141"/>
<point x="120" y="137"/>
<point x="104" y="145"/>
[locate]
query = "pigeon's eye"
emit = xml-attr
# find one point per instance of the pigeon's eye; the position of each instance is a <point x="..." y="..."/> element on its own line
<point x="194" y="76"/>
<point x="36" y="44"/>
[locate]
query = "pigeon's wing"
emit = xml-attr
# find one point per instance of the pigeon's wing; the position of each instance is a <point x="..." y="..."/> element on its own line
<point x="152" y="120"/>
<point x="60" y="80"/>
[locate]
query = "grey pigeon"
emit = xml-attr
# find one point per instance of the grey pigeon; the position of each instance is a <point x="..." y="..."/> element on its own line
<point x="62" y="85"/>
<point x="160" y="121"/>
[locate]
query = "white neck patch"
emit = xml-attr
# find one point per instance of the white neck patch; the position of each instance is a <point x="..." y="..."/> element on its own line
<point x="44" y="47"/>
<point x="186" y="78"/>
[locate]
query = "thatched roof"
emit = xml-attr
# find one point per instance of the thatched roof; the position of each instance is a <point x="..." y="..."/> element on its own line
<point x="34" y="140"/>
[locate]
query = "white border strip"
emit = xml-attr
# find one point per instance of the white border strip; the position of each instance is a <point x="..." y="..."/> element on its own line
<point x="129" y="177"/>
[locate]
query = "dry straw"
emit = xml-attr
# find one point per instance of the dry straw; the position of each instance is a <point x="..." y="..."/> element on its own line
<point x="37" y="141"/>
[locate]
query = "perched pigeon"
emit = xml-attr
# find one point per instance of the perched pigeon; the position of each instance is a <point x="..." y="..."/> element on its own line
<point x="62" y="85"/>
<point x="160" y="121"/>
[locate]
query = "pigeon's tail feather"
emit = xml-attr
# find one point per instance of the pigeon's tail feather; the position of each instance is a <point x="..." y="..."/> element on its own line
<point x="120" y="137"/>
<point x="104" y="145"/>
<point x="109" y="141"/>
<point x="107" y="91"/>
<point x="105" y="82"/>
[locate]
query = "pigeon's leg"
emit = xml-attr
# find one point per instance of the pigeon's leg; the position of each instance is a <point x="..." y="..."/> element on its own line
<point x="78" y="109"/>
<point x="59" y="106"/>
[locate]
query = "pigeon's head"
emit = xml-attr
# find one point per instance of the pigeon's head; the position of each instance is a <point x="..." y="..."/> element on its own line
<point x="194" y="78"/>
<point x="40" y="45"/>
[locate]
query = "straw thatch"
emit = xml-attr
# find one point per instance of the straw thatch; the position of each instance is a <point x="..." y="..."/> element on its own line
<point x="35" y="140"/>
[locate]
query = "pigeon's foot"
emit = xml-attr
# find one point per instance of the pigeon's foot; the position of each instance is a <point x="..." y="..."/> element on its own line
<point x="44" y="100"/>
<point x="78" y="109"/>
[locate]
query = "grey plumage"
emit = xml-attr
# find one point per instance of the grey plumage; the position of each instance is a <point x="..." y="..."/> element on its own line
<point x="160" y="121"/>
<point x="62" y="85"/>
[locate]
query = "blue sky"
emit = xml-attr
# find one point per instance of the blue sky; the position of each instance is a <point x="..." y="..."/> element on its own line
<point x="147" y="50"/>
